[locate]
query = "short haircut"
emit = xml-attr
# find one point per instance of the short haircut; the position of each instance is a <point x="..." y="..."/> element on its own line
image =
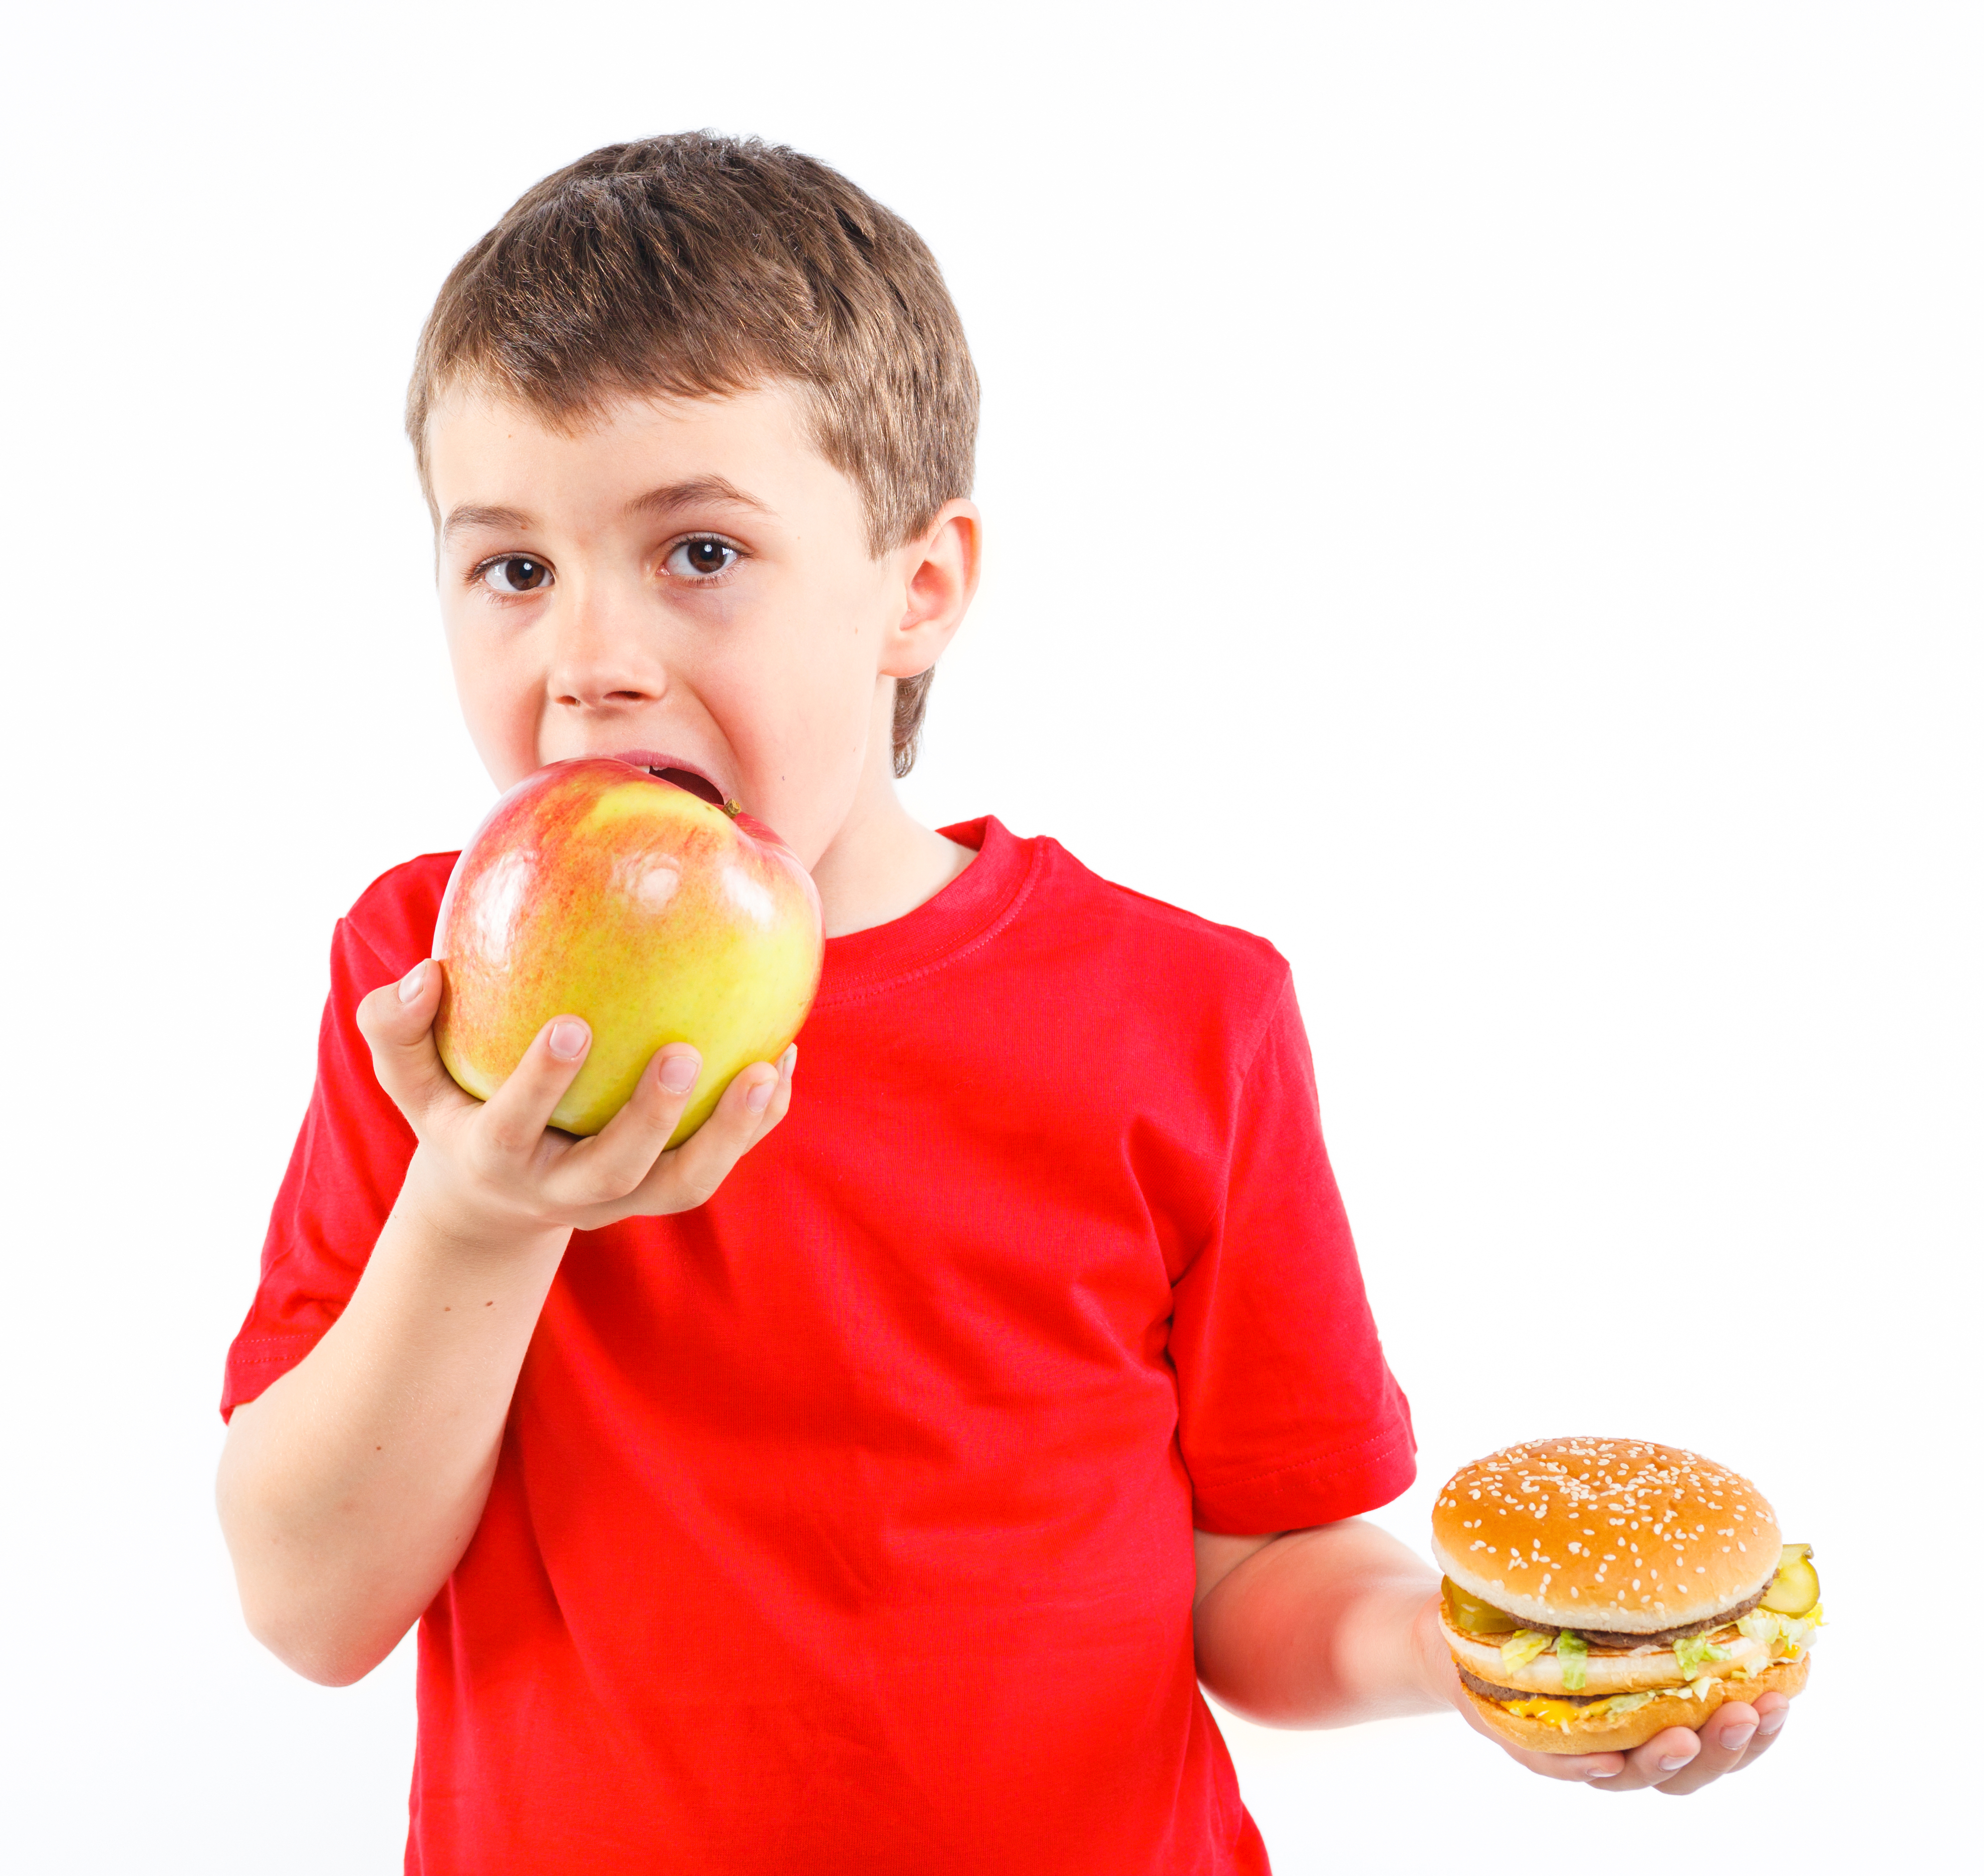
<point x="698" y="266"/>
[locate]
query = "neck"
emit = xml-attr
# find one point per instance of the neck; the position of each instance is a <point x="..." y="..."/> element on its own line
<point x="887" y="864"/>
<point x="883" y="862"/>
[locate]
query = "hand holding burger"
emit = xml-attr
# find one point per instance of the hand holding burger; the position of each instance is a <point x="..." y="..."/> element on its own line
<point x="1599" y="1592"/>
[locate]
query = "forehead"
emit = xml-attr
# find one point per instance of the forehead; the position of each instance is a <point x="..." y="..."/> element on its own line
<point x="486" y="451"/>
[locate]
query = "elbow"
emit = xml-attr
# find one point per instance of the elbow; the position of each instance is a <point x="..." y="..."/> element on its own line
<point x="299" y="1619"/>
<point x="306" y="1642"/>
<point x="1234" y="1669"/>
<point x="1254" y="1692"/>
<point x="328" y="1670"/>
<point x="291" y="1605"/>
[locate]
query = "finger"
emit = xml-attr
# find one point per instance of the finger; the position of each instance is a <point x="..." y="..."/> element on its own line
<point x="614" y="1161"/>
<point x="513" y="1120"/>
<point x="1574" y="1768"/>
<point x="1723" y="1740"/>
<point x="752" y="1106"/>
<point x="770" y="1101"/>
<point x="767" y="1098"/>
<point x="1773" y="1709"/>
<point x="1660" y="1759"/>
<point x="396" y="1020"/>
<point x="1568" y="1768"/>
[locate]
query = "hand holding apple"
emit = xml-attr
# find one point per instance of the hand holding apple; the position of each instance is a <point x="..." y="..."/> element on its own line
<point x="595" y="889"/>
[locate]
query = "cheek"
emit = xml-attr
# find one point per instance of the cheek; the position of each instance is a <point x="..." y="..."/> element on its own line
<point x="804" y="679"/>
<point x="499" y="704"/>
<point x="829" y="699"/>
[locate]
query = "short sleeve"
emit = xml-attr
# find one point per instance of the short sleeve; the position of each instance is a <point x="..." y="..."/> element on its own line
<point x="1288" y="1414"/>
<point x="351" y="1153"/>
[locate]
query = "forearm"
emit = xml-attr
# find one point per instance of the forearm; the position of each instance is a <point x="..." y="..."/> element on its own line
<point x="349" y="1490"/>
<point x="1323" y="1628"/>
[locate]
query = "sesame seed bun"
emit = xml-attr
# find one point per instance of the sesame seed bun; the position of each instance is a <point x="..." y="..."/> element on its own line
<point x="1610" y="1534"/>
<point x="1588" y="1732"/>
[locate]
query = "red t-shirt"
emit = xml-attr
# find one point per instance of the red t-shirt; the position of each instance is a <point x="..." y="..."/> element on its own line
<point x="846" y="1521"/>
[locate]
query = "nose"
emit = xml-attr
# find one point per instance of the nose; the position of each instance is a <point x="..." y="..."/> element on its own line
<point x="601" y="658"/>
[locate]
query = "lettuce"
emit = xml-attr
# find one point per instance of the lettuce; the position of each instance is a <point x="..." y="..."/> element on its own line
<point x="1759" y="1626"/>
<point x="1571" y="1651"/>
<point x="1621" y="1703"/>
<point x="1695" y="1652"/>
<point x="1522" y="1647"/>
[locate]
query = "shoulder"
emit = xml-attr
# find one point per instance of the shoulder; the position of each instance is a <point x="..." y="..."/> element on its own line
<point x="1182" y="960"/>
<point x="394" y="917"/>
<point x="1073" y="888"/>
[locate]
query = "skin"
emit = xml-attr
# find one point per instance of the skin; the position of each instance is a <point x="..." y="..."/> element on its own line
<point x="693" y="578"/>
<point x="1339" y="1624"/>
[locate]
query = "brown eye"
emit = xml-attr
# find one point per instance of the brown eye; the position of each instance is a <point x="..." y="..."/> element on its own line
<point x="516" y="573"/>
<point x="702" y="558"/>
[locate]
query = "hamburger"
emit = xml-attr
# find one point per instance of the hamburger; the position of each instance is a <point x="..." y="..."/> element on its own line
<point x="1599" y="1591"/>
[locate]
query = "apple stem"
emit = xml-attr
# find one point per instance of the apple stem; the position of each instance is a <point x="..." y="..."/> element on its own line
<point x="733" y="808"/>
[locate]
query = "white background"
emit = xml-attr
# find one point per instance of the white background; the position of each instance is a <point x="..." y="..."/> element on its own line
<point x="1486" y="495"/>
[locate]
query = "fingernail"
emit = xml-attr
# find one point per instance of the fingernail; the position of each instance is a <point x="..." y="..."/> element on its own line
<point x="1674" y="1765"/>
<point x="1772" y="1721"/>
<point x="757" y="1096"/>
<point x="679" y="1068"/>
<point x="409" y="984"/>
<point x="1601" y="1771"/>
<point x="569" y="1037"/>
<point x="1735" y="1738"/>
<point x="789" y="1060"/>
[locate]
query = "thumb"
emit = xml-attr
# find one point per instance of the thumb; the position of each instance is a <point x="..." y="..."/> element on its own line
<point x="396" y="1020"/>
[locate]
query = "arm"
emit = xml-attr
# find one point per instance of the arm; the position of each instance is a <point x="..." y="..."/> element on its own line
<point x="349" y="1490"/>
<point x="1331" y="1626"/>
<point x="1314" y="1628"/>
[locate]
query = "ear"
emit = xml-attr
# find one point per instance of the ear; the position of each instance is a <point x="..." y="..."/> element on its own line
<point x="939" y="573"/>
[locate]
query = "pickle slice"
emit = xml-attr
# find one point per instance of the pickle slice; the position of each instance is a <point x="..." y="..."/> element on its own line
<point x="1793" y="1591"/>
<point x="1472" y="1615"/>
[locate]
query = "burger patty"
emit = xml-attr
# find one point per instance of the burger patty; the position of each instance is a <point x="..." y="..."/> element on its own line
<point x="1666" y="1638"/>
<point x="1489" y="1691"/>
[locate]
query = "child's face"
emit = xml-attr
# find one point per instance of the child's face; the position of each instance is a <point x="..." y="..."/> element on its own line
<point x="688" y="584"/>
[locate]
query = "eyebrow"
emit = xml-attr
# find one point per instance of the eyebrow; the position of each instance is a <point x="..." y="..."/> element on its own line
<point x="670" y="495"/>
<point x="468" y="515"/>
<point x="697" y="489"/>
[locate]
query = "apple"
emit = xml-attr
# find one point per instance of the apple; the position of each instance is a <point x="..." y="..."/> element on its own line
<point x="596" y="889"/>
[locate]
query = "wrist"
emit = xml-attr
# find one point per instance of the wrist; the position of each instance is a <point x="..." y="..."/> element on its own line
<point x="432" y="1207"/>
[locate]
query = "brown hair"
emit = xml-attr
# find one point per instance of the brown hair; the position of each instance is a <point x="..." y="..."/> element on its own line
<point x="696" y="265"/>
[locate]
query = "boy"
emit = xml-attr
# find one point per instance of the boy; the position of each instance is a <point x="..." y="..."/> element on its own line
<point x="870" y="1486"/>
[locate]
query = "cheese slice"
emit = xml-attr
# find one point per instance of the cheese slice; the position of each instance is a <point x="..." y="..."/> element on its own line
<point x="1559" y="1713"/>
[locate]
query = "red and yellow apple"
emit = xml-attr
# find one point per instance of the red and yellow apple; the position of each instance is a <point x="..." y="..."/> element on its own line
<point x="596" y="889"/>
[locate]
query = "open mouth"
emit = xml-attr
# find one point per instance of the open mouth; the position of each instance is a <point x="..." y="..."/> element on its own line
<point x="696" y="784"/>
<point x="670" y="768"/>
